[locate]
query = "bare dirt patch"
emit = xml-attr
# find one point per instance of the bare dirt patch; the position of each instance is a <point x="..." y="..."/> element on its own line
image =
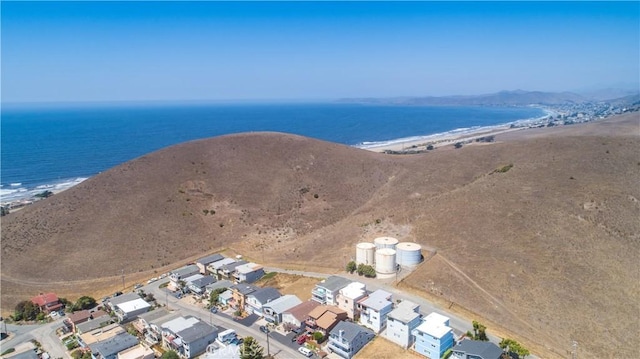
<point x="380" y="348"/>
<point x="291" y="284"/>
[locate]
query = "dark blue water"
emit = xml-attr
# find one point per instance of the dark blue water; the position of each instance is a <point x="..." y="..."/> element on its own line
<point x="41" y="146"/>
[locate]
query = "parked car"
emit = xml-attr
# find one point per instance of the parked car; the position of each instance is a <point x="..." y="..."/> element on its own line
<point x="237" y="341"/>
<point x="117" y="294"/>
<point x="137" y="286"/>
<point x="305" y="351"/>
<point x="178" y="295"/>
<point x="297" y="330"/>
<point x="264" y="329"/>
<point x="214" y="309"/>
<point x="302" y="339"/>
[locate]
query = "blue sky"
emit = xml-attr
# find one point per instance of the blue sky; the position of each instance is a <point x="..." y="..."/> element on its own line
<point x="114" y="51"/>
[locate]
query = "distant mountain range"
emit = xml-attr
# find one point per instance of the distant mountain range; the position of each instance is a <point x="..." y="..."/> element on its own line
<point x="502" y="98"/>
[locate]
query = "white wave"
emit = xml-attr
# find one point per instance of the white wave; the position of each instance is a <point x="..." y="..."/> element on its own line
<point x="25" y="193"/>
<point x="17" y="184"/>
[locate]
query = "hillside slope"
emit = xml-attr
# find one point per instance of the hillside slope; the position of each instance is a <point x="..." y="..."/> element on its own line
<point x="548" y="249"/>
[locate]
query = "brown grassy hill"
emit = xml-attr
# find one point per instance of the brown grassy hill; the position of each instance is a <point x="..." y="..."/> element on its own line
<point x="546" y="251"/>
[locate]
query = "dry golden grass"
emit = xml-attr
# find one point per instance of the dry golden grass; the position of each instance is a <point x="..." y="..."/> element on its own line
<point x="548" y="250"/>
<point x="291" y="284"/>
<point x="380" y="348"/>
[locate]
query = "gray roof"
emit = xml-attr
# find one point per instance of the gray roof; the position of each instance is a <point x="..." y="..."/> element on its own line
<point x="114" y="345"/>
<point x="266" y="294"/>
<point x="127" y="297"/>
<point x="186" y="270"/>
<point x="154" y="314"/>
<point x="197" y="331"/>
<point x="93" y="324"/>
<point x="217" y="265"/>
<point x="351" y="330"/>
<point x="232" y="266"/>
<point x="334" y="283"/>
<point x="377" y="300"/>
<point x="203" y="282"/>
<point x="484" y="350"/>
<point x="219" y="284"/>
<point x="29" y="354"/>
<point x="244" y="288"/>
<point x="210" y="259"/>
<point x="404" y="314"/>
<point x="283" y="303"/>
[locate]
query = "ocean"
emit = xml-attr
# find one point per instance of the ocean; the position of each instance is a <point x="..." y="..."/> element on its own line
<point x="54" y="148"/>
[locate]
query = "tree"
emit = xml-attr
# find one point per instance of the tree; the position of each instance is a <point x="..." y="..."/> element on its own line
<point x="368" y="271"/>
<point x="250" y="349"/>
<point x="26" y="310"/>
<point x="351" y="267"/>
<point x="170" y="354"/>
<point x="360" y="269"/>
<point x="318" y="337"/>
<point x="84" y="302"/>
<point x="215" y="294"/>
<point x="479" y="331"/>
<point x="510" y="345"/>
<point x="430" y="147"/>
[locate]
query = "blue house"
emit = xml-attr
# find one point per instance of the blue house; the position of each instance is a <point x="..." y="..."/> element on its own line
<point x="434" y="336"/>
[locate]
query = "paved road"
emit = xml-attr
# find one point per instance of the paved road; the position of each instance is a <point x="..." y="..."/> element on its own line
<point x="43" y="333"/>
<point x="275" y="347"/>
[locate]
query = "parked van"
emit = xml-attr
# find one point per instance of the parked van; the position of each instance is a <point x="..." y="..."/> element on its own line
<point x="226" y="336"/>
<point x="305" y="351"/>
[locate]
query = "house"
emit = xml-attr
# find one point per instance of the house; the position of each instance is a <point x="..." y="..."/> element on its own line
<point x="100" y="334"/>
<point x="180" y="274"/>
<point x="347" y="338"/>
<point x="202" y="263"/>
<point x="80" y="317"/>
<point x="239" y="295"/>
<point x="136" y="352"/>
<point x="109" y="348"/>
<point x="128" y="306"/>
<point x="247" y="273"/>
<point x="326" y="291"/>
<point x="374" y="310"/>
<point x="215" y="285"/>
<point x="152" y="324"/>
<point x="142" y="323"/>
<point x="274" y="309"/>
<point x="96" y="323"/>
<point x="188" y="336"/>
<point x="296" y="316"/>
<point x="227" y="270"/>
<point x="225" y="298"/>
<point x="324" y="318"/>
<point x="213" y="267"/>
<point x="433" y="336"/>
<point x="259" y="298"/>
<point x="349" y="296"/>
<point x="475" y="349"/>
<point x="401" y="322"/>
<point x="47" y="302"/>
<point x="199" y="285"/>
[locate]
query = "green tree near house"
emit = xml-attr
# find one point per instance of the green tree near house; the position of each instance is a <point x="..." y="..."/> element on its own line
<point x="250" y="349"/>
<point x="215" y="294"/>
<point x="479" y="331"/>
<point x="351" y="267"/>
<point x="25" y="310"/>
<point x="84" y="302"/>
<point x="510" y="345"/>
<point x="368" y="271"/>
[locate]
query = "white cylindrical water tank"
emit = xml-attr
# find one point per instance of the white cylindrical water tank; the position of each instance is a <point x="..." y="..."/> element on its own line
<point x="385" y="242"/>
<point x="408" y="254"/>
<point x="365" y="253"/>
<point x="386" y="261"/>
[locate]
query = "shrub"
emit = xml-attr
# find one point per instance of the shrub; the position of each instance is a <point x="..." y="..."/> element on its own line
<point x="351" y="267"/>
<point x="10" y="350"/>
<point x="318" y="337"/>
<point x="430" y="147"/>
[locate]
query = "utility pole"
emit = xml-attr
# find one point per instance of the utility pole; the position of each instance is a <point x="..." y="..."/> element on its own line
<point x="268" y="351"/>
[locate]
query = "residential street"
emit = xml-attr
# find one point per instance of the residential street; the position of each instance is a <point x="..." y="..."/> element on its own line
<point x="45" y="334"/>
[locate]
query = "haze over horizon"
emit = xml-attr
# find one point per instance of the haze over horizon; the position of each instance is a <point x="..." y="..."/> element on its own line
<point x="212" y="51"/>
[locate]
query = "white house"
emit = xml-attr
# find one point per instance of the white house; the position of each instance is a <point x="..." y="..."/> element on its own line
<point x="326" y="291"/>
<point x="262" y="296"/>
<point x="401" y="322"/>
<point x="273" y="310"/>
<point x="374" y="310"/>
<point x="248" y="273"/>
<point x="349" y="296"/>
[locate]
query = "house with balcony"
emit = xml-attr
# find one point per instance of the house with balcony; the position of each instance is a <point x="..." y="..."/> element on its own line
<point x="324" y="318"/>
<point x="202" y="263"/>
<point x="136" y="352"/>
<point x="239" y="294"/>
<point x="247" y="273"/>
<point x="273" y="310"/>
<point x="347" y="338"/>
<point x="109" y="348"/>
<point x="188" y="336"/>
<point x="475" y="349"/>
<point x="374" y="310"/>
<point x="401" y="322"/>
<point x="433" y="336"/>
<point x="212" y="268"/>
<point x="349" y="296"/>
<point x="227" y="270"/>
<point x="128" y="306"/>
<point x="47" y="302"/>
<point x="100" y="334"/>
<point x="295" y="316"/>
<point x="178" y="275"/>
<point x="262" y="296"/>
<point x="198" y="286"/>
<point x="82" y="316"/>
<point x="326" y="291"/>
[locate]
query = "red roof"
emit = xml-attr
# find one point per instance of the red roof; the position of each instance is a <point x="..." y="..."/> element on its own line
<point x="45" y="299"/>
